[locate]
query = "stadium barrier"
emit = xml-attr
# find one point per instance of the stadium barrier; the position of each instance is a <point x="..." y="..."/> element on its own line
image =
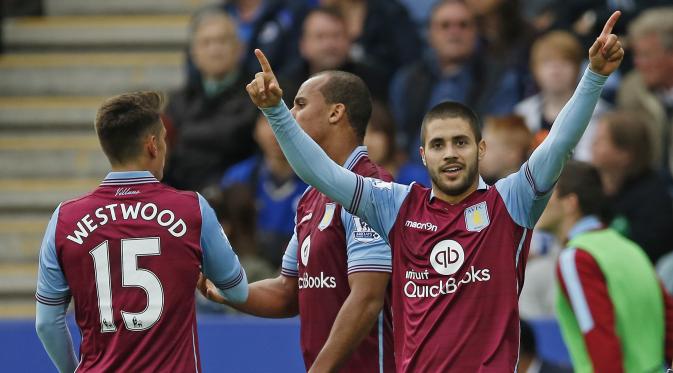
<point x="235" y="344"/>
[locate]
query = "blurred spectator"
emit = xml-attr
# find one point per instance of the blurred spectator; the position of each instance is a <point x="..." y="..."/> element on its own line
<point x="419" y="12"/>
<point x="273" y="26"/>
<point x="539" y="13"/>
<point x="529" y="360"/>
<point x="537" y="297"/>
<point x="644" y="209"/>
<point x="614" y="314"/>
<point x="235" y="210"/>
<point x="325" y="45"/>
<point x="507" y="34"/>
<point x="382" y="149"/>
<point x="381" y="31"/>
<point x="452" y="70"/>
<point x="648" y="89"/>
<point x="555" y="61"/>
<point x="586" y="17"/>
<point x="275" y="190"/>
<point x="508" y="142"/>
<point x="212" y="116"/>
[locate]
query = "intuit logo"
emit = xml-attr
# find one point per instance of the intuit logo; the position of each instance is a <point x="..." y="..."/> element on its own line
<point x="425" y="226"/>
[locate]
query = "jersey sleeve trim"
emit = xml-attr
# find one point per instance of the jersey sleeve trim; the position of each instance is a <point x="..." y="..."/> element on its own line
<point x="289" y="272"/>
<point x="529" y="176"/>
<point x="231" y="283"/>
<point x="357" y="195"/>
<point x="370" y="268"/>
<point x="49" y="301"/>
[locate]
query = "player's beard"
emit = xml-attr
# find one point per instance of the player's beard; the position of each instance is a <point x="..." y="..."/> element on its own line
<point x="463" y="184"/>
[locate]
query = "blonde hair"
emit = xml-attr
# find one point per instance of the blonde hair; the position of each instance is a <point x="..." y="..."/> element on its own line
<point x="560" y="44"/>
<point x="657" y="21"/>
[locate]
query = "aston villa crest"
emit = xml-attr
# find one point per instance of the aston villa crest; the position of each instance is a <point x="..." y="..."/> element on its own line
<point x="327" y="217"/>
<point x="476" y="217"/>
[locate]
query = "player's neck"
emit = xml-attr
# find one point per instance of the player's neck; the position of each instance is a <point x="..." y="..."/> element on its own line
<point x="341" y="149"/>
<point x="133" y="166"/>
<point x="454" y="199"/>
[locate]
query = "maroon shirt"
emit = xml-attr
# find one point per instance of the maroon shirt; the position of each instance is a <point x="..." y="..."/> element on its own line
<point x="144" y="255"/>
<point x="321" y="262"/>
<point x="456" y="281"/>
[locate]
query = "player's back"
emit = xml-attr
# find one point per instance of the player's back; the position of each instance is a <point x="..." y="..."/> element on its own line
<point x="130" y="252"/>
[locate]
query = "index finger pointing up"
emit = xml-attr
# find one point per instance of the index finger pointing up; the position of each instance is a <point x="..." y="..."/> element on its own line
<point x="266" y="66"/>
<point x="607" y="29"/>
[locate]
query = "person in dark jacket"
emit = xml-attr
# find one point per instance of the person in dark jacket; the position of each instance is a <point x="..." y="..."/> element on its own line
<point x="211" y="117"/>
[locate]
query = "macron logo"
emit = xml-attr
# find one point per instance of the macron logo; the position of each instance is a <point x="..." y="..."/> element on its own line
<point x="425" y="226"/>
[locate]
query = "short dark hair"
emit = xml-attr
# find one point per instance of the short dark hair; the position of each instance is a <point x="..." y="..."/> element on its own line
<point x="351" y="91"/>
<point x="583" y="180"/>
<point x="451" y="109"/>
<point x="122" y="122"/>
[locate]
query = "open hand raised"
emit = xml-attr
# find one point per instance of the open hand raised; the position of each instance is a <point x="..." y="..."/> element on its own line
<point x="264" y="90"/>
<point x="606" y="53"/>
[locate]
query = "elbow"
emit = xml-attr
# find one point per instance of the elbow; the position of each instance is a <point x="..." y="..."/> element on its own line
<point x="43" y="328"/>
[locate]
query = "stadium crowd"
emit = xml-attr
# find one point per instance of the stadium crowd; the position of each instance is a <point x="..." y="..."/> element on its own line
<point x="516" y="63"/>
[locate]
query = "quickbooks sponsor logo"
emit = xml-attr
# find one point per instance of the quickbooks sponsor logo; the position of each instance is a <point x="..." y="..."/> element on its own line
<point x="426" y="226"/>
<point x="317" y="282"/>
<point x="448" y="286"/>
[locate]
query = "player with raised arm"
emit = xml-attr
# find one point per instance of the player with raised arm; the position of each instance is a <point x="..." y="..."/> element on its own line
<point x="336" y="269"/>
<point x="129" y="254"/>
<point x="459" y="249"/>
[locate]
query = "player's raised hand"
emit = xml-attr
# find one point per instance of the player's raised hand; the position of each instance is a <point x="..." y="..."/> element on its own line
<point x="606" y="53"/>
<point x="264" y="90"/>
<point x="209" y="290"/>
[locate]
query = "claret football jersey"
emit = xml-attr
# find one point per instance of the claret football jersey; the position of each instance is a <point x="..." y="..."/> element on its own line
<point x="328" y="245"/>
<point x="129" y="255"/>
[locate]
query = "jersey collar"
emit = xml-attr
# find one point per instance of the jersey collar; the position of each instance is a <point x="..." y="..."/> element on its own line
<point x="356" y="155"/>
<point x="129" y="178"/>
<point x="585" y="224"/>
<point x="481" y="186"/>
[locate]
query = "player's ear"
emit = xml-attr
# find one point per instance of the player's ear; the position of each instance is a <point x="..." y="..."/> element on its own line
<point x="337" y="112"/>
<point x="481" y="149"/>
<point x="421" y="150"/>
<point x="152" y="145"/>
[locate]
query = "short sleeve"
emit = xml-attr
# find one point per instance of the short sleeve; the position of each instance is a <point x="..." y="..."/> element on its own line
<point x="378" y="203"/>
<point x="220" y="263"/>
<point x="367" y="251"/>
<point x="52" y="288"/>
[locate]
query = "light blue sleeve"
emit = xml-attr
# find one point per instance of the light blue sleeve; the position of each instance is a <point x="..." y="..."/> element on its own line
<point x="375" y="201"/>
<point x="52" y="288"/>
<point x="290" y="265"/>
<point x="527" y="191"/>
<point x="220" y="263"/>
<point x="53" y="332"/>
<point x="367" y="251"/>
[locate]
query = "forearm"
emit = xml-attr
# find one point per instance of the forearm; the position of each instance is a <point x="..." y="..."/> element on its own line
<point x="353" y="323"/>
<point x="308" y="160"/>
<point x="271" y="298"/>
<point x="53" y="332"/>
<point x="547" y="161"/>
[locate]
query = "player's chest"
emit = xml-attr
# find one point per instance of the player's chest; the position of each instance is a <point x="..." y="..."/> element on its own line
<point x="465" y="241"/>
<point x="320" y="233"/>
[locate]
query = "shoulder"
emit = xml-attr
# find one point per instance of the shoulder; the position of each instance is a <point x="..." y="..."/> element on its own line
<point x="177" y="195"/>
<point x="366" y="167"/>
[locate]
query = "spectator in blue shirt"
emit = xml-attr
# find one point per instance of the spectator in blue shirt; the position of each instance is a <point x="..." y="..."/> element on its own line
<point x="453" y="69"/>
<point x="276" y="191"/>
